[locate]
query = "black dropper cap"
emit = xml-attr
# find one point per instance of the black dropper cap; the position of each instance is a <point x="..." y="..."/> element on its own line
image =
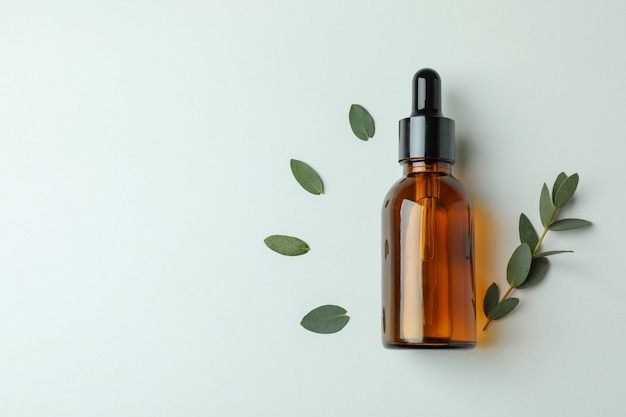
<point x="427" y="135"/>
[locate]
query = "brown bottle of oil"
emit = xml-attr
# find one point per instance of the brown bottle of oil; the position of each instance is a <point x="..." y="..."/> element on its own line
<point x="428" y="289"/>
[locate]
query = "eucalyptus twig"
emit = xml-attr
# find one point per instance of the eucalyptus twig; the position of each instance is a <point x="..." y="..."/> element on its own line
<point x="527" y="267"/>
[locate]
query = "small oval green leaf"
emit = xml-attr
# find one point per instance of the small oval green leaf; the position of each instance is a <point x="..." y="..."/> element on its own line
<point x="568" y="224"/>
<point x="325" y="319"/>
<point x="492" y="296"/>
<point x="557" y="183"/>
<point x="538" y="270"/>
<point x="551" y="252"/>
<point x="503" y="308"/>
<point x="566" y="191"/>
<point x="546" y="208"/>
<point x="361" y="122"/>
<point x="527" y="233"/>
<point x="519" y="265"/>
<point x="286" y="245"/>
<point x="307" y="177"/>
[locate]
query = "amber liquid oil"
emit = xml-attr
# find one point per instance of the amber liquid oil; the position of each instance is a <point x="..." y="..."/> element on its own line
<point x="428" y="288"/>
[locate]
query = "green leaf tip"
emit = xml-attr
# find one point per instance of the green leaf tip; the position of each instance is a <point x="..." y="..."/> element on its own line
<point x="361" y="122"/>
<point x="306" y="177"/>
<point x="286" y="245"/>
<point x="325" y="319"/>
<point x="527" y="233"/>
<point x="546" y="208"/>
<point x="519" y="265"/>
<point x="568" y="224"/>
<point x="551" y="252"/>
<point x="538" y="270"/>
<point x="565" y="190"/>
<point x="503" y="308"/>
<point x="492" y="296"/>
<point x="557" y="183"/>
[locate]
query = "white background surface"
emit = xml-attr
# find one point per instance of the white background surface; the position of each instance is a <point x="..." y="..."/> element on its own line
<point x="144" y="157"/>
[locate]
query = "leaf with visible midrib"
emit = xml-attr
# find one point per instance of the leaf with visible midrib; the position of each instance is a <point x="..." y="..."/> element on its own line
<point x="546" y="208"/>
<point x="286" y="245"/>
<point x="568" y="224"/>
<point x="527" y="233"/>
<point x="503" y="308"/>
<point x="551" y="252"/>
<point x="538" y="271"/>
<point x="307" y="177"/>
<point x="566" y="191"/>
<point x="557" y="183"/>
<point x="325" y="319"/>
<point x="519" y="265"/>
<point x="361" y="122"/>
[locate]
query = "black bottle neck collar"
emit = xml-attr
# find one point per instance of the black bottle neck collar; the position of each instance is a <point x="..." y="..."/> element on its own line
<point x="427" y="134"/>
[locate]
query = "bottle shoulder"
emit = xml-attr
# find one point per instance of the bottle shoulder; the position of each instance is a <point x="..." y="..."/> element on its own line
<point x="415" y="186"/>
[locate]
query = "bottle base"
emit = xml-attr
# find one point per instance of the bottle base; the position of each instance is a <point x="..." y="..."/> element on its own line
<point x="429" y="344"/>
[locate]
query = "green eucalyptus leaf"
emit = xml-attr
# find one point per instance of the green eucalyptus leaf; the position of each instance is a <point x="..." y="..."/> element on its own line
<point x="568" y="224"/>
<point x="551" y="252"/>
<point x="546" y="208"/>
<point x="361" y="122"/>
<point x="538" y="270"/>
<point x="503" y="308"/>
<point x="566" y="191"/>
<point x="492" y="296"/>
<point x="557" y="183"/>
<point x="307" y="177"/>
<point x="286" y="245"/>
<point x="527" y="233"/>
<point x="325" y="319"/>
<point x="519" y="265"/>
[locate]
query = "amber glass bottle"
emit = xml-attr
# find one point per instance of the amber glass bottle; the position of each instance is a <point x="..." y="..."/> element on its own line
<point x="428" y="289"/>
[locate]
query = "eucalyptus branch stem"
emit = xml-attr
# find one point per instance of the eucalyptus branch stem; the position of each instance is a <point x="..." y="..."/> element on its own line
<point x="528" y="265"/>
<point x="545" y="230"/>
<point x="534" y="252"/>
